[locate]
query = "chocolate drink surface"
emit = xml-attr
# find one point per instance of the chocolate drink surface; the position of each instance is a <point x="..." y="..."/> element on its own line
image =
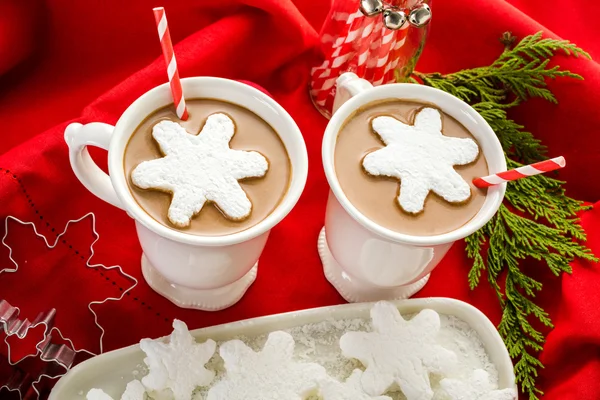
<point x="252" y="133"/>
<point x="376" y="197"/>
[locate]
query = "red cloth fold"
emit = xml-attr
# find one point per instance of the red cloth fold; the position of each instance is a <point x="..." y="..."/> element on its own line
<point x="89" y="60"/>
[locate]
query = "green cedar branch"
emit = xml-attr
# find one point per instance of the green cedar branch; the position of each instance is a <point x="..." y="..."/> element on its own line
<point x="538" y="220"/>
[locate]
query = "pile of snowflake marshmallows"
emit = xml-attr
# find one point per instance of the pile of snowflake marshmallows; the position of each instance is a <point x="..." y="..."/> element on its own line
<point x="398" y="355"/>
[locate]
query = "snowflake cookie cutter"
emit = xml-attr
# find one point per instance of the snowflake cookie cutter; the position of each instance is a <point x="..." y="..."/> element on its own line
<point x="51" y="360"/>
<point x="11" y="325"/>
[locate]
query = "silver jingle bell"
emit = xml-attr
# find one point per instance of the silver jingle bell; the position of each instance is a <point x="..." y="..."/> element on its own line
<point x="420" y="15"/>
<point x="394" y="19"/>
<point x="371" y="8"/>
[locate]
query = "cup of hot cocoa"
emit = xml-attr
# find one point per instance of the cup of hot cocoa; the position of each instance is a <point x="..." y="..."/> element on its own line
<point x="400" y="160"/>
<point x="204" y="192"/>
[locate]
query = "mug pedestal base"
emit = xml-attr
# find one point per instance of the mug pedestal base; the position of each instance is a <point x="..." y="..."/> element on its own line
<point x="206" y="300"/>
<point x="354" y="291"/>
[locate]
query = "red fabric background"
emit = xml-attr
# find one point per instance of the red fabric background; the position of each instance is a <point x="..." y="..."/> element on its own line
<point x="88" y="60"/>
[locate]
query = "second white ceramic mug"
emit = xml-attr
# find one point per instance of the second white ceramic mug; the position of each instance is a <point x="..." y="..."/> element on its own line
<point x="363" y="260"/>
<point x="203" y="272"/>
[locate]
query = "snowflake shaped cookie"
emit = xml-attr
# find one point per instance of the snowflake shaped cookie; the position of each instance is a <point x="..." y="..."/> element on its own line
<point x="179" y="364"/>
<point x="200" y="168"/>
<point x="399" y="352"/>
<point x="422" y="158"/>
<point x="134" y="391"/>
<point x="477" y="387"/>
<point x="349" y="390"/>
<point x="270" y="374"/>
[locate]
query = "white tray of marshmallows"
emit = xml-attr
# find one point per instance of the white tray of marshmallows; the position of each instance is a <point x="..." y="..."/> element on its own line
<point x="416" y="349"/>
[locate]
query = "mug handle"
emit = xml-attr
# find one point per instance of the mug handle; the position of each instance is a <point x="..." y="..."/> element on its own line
<point x="348" y="85"/>
<point x="78" y="137"/>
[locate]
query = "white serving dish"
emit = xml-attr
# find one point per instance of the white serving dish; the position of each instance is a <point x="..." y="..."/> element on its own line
<point x="111" y="371"/>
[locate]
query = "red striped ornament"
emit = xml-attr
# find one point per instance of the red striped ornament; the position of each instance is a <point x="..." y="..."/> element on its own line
<point x="167" y="47"/>
<point x="521" y="172"/>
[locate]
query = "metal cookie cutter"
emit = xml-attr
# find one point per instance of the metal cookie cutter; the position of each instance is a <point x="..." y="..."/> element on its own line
<point x="56" y="355"/>
<point x="51" y="360"/>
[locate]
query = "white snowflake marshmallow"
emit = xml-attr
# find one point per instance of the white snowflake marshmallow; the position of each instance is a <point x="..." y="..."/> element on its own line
<point x="422" y="158"/>
<point x="270" y="374"/>
<point x="399" y="352"/>
<point x="179" y="364"/>
<point x="349" y="390"/>
<point x="200" y="168"/>
<point x="97" y="394"/>
<point x="477" y="387"/>
<point x="134" y="391"/>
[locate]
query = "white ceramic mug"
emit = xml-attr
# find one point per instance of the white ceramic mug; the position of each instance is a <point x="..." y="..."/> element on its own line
<point x="203" y="272"/>
<point x="363" y="260"/>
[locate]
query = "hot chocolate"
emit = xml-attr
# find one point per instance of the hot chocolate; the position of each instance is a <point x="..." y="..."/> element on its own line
<point x="370" y="177"/>
<point x="244" y="193"/>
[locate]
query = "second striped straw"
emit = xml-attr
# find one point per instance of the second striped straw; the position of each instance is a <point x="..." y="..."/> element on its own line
<point x="521" y="172"/>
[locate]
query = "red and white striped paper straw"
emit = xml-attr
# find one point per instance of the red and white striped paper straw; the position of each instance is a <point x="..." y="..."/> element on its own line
<point x="388" y="38"/>
<point x="364" y="46"/>
<point x="325" y="75"/>
<point x="397" y="50"/>
<point x="521" y="172"/>
<point x="167" y="47"/>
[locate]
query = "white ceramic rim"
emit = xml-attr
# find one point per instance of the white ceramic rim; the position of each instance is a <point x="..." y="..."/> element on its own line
<point x="257" y="102"/>
<point x="451" y="105"/>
